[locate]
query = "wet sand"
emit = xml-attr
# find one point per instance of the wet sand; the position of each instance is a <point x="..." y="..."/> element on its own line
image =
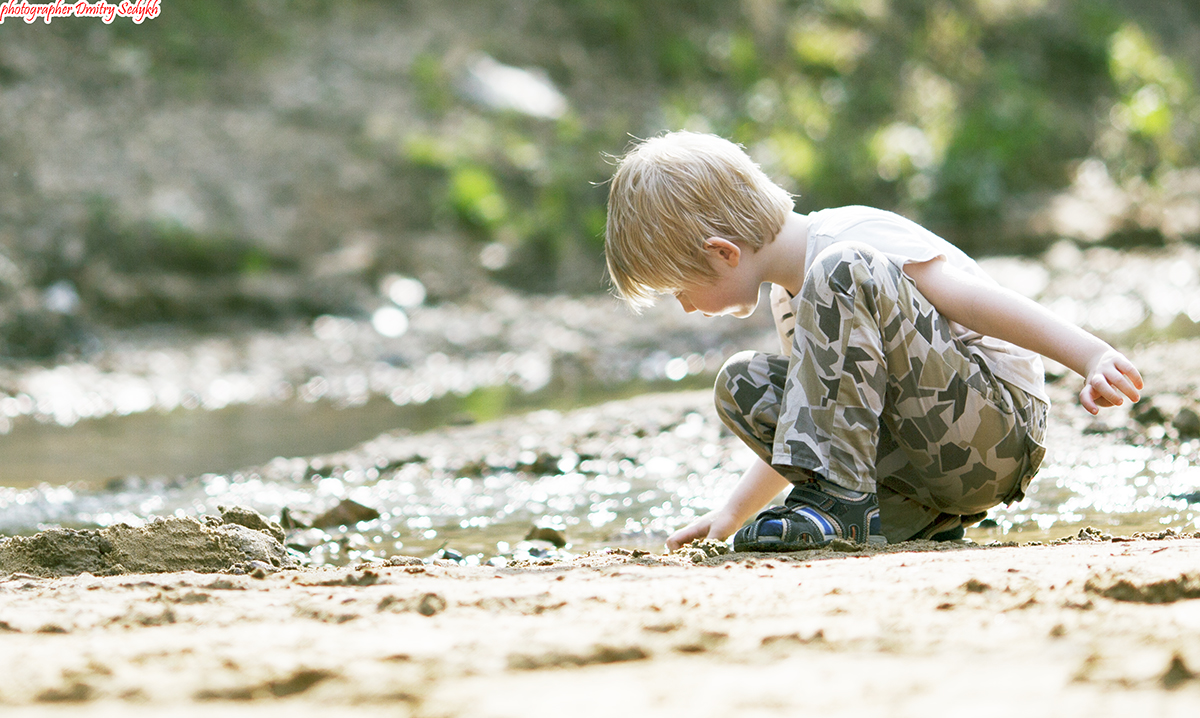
<point x="1095" y="626"/>
<point x="1088" y="627"/>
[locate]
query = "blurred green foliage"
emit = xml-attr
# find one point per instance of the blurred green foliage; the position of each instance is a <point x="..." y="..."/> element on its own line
<point x="192" y="46"/>
<point x="165" y="246"/>
<point x="945" y="110"/>
<point x="519" y="183"/>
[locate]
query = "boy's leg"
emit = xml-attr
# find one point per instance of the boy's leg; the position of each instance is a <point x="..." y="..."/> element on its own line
<point x="923" y="490"/>
<point x="749" y="391"/>
<point x="878" y="387"/>
<point x="952" y="440"/>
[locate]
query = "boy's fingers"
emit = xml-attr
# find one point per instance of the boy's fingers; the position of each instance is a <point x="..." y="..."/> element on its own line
<point x="1085" y="398"/>
<point x="1134" y="375"/>
<point x="1125" y="385"/>
<point x="675" y="540"/>
<point x="684" y="535"/>
<point x="1094" y="401"/>
<point x="1102" y="388"/>
<point x="1128" y="370"/>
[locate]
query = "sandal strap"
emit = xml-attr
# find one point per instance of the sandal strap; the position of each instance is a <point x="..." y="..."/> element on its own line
<point x="812" y="516"/>
<point x="801" y="526"/>
<point x="808" y="494"/>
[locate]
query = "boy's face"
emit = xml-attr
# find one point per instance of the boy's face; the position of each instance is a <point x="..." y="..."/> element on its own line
<point x="734" y="291"/>
<point x="712" y="301"/>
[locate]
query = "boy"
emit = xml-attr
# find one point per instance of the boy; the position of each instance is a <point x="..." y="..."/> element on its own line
<point x="910" y="398"/>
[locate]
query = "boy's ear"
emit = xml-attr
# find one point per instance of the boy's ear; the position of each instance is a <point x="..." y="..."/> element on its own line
<point x="721" y="249"/>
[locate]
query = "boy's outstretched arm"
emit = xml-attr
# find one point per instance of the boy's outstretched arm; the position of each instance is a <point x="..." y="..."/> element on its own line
<point x="1002" y="313"/>
<point x="759" y="484"/>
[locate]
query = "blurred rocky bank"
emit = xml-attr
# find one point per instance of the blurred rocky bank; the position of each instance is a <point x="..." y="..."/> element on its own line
<point x="257" y="164"/>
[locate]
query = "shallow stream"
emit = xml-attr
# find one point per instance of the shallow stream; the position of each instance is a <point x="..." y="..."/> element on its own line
<point x="169" y="424"/>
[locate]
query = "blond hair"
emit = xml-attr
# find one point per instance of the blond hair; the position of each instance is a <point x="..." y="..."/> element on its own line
<point x="671" y="193"/>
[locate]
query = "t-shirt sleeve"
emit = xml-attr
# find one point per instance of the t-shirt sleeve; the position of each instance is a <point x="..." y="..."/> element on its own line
<point x="898" y="241"/>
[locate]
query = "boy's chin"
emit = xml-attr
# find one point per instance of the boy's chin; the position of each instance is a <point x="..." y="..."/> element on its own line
<point x="739" y="312"/>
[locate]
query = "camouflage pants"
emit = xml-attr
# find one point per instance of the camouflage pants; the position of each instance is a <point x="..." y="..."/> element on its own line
<point x="878" y="396"/>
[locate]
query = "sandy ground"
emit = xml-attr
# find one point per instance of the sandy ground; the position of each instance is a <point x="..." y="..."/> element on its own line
<point x="1094" y="626"/>
<point x="1086" y="627"/>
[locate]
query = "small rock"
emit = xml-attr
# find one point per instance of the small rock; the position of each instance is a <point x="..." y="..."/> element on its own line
<point x="1187" y="423"/>
<point x="844" y="546"/>
<point x="449" y="554"/>
<point x="366" y="578"/>
<point x="290" y="521"/>
<point x="974" y="585"/>
<point x="251" y="519"/>
<point x="1148" y="414"/>
<point x="431" y="604"/>
<point x="534" y="551"/>
<point x="545" y="464"/>
<point x="546" y="533"/>
<point x="1088" y="533"/>
<point x="1177" y="673"/>
<point x="403" y="561"/>
<point x="259" y="569"/>
<point x="346" y="513"/>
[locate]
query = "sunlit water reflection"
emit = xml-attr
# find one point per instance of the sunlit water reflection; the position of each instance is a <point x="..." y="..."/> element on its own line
<point x="205" y="418"/>
<point x="620" y="474"/>
<point x="1114" y="487"/>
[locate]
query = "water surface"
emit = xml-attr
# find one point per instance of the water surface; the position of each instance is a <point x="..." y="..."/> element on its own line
<point x="159" y="426"/>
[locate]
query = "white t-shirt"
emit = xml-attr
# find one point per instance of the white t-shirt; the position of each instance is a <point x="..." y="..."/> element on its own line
<point x="902" y="241"/>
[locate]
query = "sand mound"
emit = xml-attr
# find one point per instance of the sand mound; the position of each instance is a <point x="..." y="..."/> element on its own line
<point x="172" y="544"/>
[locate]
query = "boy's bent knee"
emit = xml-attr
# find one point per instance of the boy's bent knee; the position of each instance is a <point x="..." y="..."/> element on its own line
<point x="737" y="370"/>
<point x="745" y="379"/>
<point x="751" y="368"/>
<point x="737" y="365"/>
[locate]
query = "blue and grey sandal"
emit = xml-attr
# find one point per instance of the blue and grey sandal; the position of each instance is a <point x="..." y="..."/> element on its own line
<point x="812" y="516"/>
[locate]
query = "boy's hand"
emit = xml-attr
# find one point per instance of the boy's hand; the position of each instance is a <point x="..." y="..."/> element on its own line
<point x="759" y="484"/>
<point x="1111" y="378"/>
<point x="715" y="525"/>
